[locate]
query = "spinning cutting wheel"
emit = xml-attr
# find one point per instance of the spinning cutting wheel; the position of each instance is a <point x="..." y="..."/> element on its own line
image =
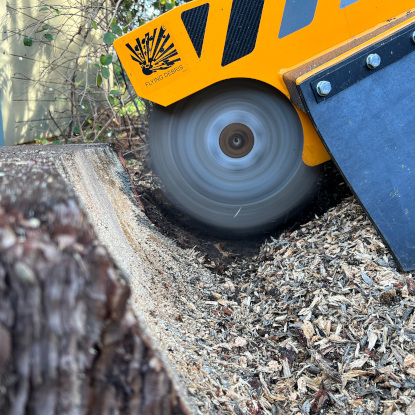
<point x="230" y="156"/>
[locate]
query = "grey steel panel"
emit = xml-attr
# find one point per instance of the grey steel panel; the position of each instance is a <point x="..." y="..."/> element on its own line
<point x="297" y="15"/>
<point x="369" y="130"/>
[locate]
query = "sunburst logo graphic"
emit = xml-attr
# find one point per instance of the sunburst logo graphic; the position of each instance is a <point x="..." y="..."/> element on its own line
<point x="154" y="52"/>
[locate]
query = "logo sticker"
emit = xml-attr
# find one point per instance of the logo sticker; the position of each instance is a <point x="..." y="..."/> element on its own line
<point x="154" y="53"/>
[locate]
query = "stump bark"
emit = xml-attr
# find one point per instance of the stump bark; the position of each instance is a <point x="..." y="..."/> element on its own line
<point x="69" y="341"/>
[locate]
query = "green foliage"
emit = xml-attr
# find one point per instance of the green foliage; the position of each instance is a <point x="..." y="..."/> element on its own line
<point x="106" y="60"/>
<point x="117" y="30"/>
<point x="92" y="77"/>
<point x="27" y="41"/>
<point x="105" y="72"/>
<point x="109" y="38"/>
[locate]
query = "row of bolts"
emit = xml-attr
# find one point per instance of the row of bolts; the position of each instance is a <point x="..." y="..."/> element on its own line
<point x="323" y="88"/>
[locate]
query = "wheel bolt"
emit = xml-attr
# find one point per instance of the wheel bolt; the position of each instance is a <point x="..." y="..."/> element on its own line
<point x="373" y="61"/>
<point x="323" y="88"/>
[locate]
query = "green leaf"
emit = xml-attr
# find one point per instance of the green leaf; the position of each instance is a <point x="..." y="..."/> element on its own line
<point x="76" y="129"/>
<point x="109" y="38"/>
<point x="47" y="27"/>
<point x="28" y="41"/>
<point x="99" y="80"/>
<point x="89" y="121"/>
<point x="117" y="30"/>
<point x="115" y="92"/>
<point x="111" y="100"/>
<point x="125" y="30"/>
<point x="169" y="5"/>
<point x="106" y="59"/>
<point x="105" y="72"/>
<point x="44" y="8"/>
<point x="94" y="25"/>
<point x="97" y="65"/>
<point x="48" y="36"/>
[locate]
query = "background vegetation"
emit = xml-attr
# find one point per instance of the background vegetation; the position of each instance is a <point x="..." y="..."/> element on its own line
<point x="83" y="64"/>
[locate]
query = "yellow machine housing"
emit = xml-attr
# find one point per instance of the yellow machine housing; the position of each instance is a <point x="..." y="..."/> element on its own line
<point x="200" y="43"/>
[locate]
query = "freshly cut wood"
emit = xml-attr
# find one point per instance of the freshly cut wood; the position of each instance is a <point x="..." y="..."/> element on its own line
<point x="69" y="341"/>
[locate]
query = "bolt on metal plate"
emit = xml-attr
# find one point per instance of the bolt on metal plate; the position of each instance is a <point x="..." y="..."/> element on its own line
<point x="323" y="88"/>
<point x="373" y="61"/>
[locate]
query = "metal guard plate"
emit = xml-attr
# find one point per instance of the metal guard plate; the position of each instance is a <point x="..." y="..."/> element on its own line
<point x="368" y="127"/>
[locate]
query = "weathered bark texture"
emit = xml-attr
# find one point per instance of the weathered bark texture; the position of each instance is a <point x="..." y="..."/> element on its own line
<point x="69" y="341"/>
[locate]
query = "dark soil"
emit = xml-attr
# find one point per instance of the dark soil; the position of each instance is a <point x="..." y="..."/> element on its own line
<point x="220" y="250"/>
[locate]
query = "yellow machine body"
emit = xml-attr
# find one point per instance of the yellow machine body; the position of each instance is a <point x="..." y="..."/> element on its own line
<point x="193" y="57"/>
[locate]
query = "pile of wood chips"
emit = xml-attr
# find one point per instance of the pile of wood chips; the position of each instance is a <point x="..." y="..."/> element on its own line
<point x="320" y="321"/>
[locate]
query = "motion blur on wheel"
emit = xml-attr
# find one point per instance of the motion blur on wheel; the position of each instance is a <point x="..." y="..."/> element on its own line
<point x="230" y="156"/>
<point x="252" y="96"/>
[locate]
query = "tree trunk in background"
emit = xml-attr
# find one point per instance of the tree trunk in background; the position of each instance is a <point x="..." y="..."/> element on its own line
<point x="69" y="342"/>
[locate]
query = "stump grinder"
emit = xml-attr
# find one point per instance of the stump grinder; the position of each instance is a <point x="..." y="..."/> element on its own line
<point x="251" y="96"/>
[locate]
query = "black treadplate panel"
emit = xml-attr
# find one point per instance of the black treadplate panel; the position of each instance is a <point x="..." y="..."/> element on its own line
<point x="369" y="131"/>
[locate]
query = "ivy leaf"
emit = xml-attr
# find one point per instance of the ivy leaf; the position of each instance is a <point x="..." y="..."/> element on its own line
<point x="76" y="129"/>
<point x="28" y="41"/>
<point x="117" y="30"/>
<point x="47" y="27"/>
<point x="106" y="59"/>
<point x="98" y="66"/>
<point x="94" y="24"/>
<point x="105" y="72"/>
<point x="111" y="100"/>
<point x="49" y="37"/>
<point x="109" y="38"/>
<point x="99" y="80"/>
<point x="115" y="92"/>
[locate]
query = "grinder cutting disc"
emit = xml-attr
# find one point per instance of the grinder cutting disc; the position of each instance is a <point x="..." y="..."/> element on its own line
<point x="230" y="156"/>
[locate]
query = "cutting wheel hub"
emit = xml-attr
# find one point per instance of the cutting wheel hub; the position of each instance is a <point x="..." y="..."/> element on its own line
<point x="236" y="140"/>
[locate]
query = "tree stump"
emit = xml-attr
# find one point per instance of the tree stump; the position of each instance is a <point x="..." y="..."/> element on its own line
<point x="69" y="341"/>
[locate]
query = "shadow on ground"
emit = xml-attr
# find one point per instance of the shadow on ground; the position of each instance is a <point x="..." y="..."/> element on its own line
<point x="220" y="250"/>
